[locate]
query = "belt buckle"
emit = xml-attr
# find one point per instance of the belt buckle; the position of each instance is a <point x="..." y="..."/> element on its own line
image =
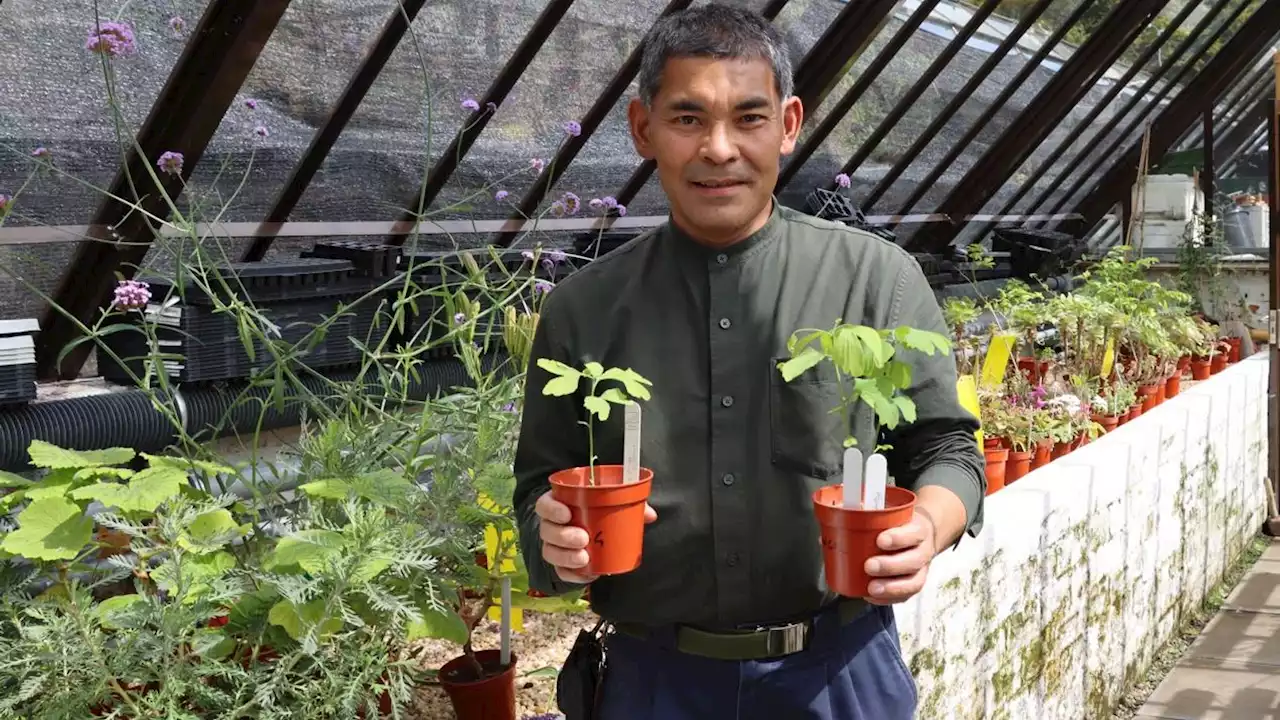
<point x="786" y="639"/>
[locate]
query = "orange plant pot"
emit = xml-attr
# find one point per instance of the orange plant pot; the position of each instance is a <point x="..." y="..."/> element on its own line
<point x="1172" y="386"/>
<point x="1147" y="393"/>
<point x="1233" y="356"/>
<point x="1184" y="362"/>
<point x="1108" y="422"/>
<point x="849" y="535"/>
<point x="996" y="457"/>
<point x="1201" y="369"/>
<point x="492" y="697"/>
<point x="1042" y="453"/>
<point x="612" y="514"/>
<point x="1218" y="364"/>
<point x="1018" y="466"/>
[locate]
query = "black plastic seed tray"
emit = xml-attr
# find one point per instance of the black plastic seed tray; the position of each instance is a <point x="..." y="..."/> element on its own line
<point x="367" y="258"/>
<point x="262" y="282"/>
<point x="212" y="348"/>
<point x="17" y="384"/>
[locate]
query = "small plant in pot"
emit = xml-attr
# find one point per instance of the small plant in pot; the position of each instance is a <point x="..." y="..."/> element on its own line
<point x="853" y="514"/>
<point x="605" y="500"/>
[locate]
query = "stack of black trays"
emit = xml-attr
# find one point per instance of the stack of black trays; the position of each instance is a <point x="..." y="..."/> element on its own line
<point x="17" y="361"/>
<point x="296" y="296"/>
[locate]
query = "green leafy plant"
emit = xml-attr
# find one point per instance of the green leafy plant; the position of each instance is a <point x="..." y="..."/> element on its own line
<point x="868" y="367"/>
<point x="565" y="381"/>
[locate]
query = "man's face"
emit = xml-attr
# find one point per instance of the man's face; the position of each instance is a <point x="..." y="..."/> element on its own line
<point x="717" y="131"/>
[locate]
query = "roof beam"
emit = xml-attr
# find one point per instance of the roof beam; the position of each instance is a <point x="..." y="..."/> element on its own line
<point x="326" y="137"/>
<point x="203" y="83"/>
<point x="975" y="81"/>
<point x="849" y="34"/>
<point x="1067" y="142"/>
<point x="1050" y="106"/>
<point x="985" y="120"/>
<point x="1253" y="39"/>
<point x="855" y="92"/>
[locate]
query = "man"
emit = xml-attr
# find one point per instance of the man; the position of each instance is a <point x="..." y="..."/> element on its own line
<point x="728" y="615"/>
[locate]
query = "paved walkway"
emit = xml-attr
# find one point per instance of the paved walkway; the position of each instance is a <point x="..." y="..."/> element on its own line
<point x="1232" y="671"/>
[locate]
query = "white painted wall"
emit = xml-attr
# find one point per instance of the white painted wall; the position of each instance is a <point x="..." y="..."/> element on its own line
<point x="1085" y="565"/>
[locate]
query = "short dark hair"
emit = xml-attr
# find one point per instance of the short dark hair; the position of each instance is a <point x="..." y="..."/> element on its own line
<point x="713" y="31"/>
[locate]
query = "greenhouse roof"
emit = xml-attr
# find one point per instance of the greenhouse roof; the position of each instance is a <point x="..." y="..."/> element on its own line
<point x="359" y="118"/>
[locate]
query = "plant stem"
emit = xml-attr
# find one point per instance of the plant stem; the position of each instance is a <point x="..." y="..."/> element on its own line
<point x="591" y="440"/>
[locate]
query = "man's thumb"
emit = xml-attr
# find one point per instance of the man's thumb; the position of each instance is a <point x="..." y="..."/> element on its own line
<point x="649" y="513"/>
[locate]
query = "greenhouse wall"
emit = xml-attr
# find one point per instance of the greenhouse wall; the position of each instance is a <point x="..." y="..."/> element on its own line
<point x="1086" y="566"/>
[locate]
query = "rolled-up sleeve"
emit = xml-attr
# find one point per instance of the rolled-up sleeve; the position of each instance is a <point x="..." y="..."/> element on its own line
<point x="940" y="447"/>
<point x="550" y="440"/>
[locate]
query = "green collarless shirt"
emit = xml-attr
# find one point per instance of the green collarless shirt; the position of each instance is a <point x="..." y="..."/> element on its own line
<point x="736" y="452"/>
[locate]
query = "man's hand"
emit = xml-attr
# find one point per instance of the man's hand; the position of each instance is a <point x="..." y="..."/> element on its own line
<point x="900" y="573"/>
<point x="564" y="546"/>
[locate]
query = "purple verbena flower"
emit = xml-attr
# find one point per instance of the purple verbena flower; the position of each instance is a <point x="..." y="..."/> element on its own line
<point x="460" y="319"/>
<point x="470" y="104"/>
<point x="622" y="210"/>
<point x="609" y="201"/>
<point x="501" y="195"/>
<point x="537" y="164"/>
<point x="4" y="202"/>
<point x="177" y="24"/>
<point x="527" y="255"/>
<point x="542" y="287"/>
<point x="596" y="204"/>
<point x="251" y="104"/>
<point x="112" y="39"/>
<point x="557" y="208"/>
<point x="170" y="162"/>
<point x="572" y="203"/>
<point x="843" y="180"/>
<point x="556" y="256"/>
<point x="131" y="295"/>
<point x="261" y="131"/>
<point x="40" y="152"/>
<point x="509" y="407"/>
<point x="573" y="128"/>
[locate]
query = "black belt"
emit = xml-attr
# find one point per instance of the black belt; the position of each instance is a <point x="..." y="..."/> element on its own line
<point x="763" y="643"/>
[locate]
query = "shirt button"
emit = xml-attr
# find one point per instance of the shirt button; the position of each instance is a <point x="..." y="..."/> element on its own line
<point x="722" y="259"/>
<point x="727" y="401"/>
<point x="725" y="323"/>
<point x="727" y="479"/>
<point x="732" y="560"/>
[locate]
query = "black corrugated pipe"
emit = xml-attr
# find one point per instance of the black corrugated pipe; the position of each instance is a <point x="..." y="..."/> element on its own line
<point x="127" y="418"/>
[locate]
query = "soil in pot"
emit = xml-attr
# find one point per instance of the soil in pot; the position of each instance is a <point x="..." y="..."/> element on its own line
<point x="490" y="697"/>
<point x="1201" y="369"/>
<point x="996" y="458"/>
<point x="1218" y="364"/>
<point x="849" y="535"/>
<point x="1147" y="393"/>
<point x="1019" y="465"/>
<point x="1042" y="454"/>
<point x="612" y="514"/>
<point x="1172" y="386"/>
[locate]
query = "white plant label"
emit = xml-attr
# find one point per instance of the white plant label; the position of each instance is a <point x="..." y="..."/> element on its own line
<point x="852" y="478"/>
<point x="877" y="476"/>
<point x="631" y="443"/>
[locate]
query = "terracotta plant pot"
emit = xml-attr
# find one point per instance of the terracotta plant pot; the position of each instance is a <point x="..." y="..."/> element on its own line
<point x="492" y="697"/>
<point x="991" y="443"/>
<point x="1042" y="453"/>
<point x="1019" y="465"/>
<point x="1062" y="449"/>
<point x="1147" y="393"/>
<point x="996" y="458"/>
<point x="610" y="512"/>
<point x="1184" y="362"/>
<point x="1172" y="386"/>
<point x="1233" y="356"/>
<point x="1108" y="422"/>
<point x="1135" y="411"/>
<point x="1200" y="369"/>
<point x="1218" y="364"/>
<point x="1122" y="418"/>
<point x="1034" y="369"/>
<point x="849" y="536"/>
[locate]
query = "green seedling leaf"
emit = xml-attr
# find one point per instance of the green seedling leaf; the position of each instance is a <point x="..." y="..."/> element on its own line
<point x="907" y="407"/>
<point x="597" y="405"/>
<point x="793" y="368"/>
<point x="436" y="624"/>
<point x="637" y="385"/>
<point x="847" y="352"/>
<point x="899" y="374"/>
<point x="615" y="396"/>
<point x="209" y="532"/>
<point x="47" y="455"/>
<point x="593" y="370"/>
<point x="877" y="347"/>
<point x="198" y="573"/>
<point x="49" y="529"/>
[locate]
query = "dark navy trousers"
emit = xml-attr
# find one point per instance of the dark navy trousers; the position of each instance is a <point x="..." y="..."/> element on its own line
<point x="850" y="672"/>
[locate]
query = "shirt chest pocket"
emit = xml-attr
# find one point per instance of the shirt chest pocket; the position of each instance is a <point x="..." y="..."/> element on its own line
<point x="806" y="431"/>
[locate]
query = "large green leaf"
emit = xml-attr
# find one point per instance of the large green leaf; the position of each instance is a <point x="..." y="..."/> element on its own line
<point x="793" y="368"/>
<point x="47" y="455"/>
<point x="637" y="385"/>
<point x="877" y="347"/>
<point x="210" y="531"/>
<point x="297" y="620"/>
<point x="198" y="572"/>
<point x="119" y="612"/>
<point x="49" y="529"/>
<point x="9" y="480"/>
<point x="436" y="624"/>
<point x="597" y="405"/>
<point x="56" y="484"/>
<point x="145" y="492"/>
<point x="188" y="464"/>
<point x="311" y="550"/>
<point x="384" y="486"/>
<point x="847" y="352"/>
